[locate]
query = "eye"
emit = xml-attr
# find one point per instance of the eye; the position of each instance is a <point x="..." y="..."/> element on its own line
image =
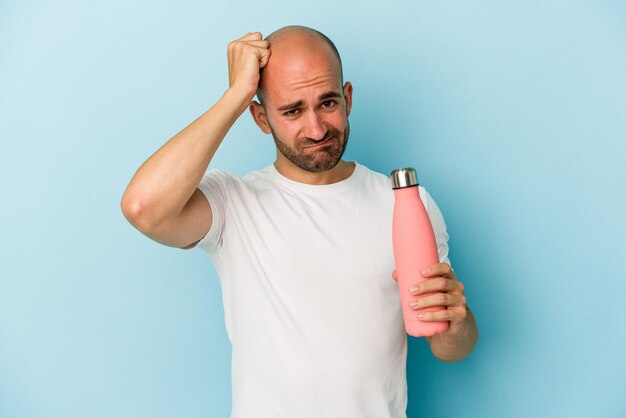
<point x="330" y="101"/>
<point x="290" y="112"/>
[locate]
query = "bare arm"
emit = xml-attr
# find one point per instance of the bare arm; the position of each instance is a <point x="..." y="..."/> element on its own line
<point x="162" y="199"/>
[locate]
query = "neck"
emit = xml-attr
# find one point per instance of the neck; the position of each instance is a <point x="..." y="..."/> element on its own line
<point x="340" y="172"/>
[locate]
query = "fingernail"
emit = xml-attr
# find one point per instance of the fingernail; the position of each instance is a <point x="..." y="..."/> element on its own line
<point x="426" y="271"/>
<point x="413" y="290"/>
<point x="421" y="315"/>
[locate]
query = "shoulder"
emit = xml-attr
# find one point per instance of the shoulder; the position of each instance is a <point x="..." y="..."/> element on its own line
<point x="384" y="180"/>
<point x="375" y="176"/>
<point x="425" y="196"/>
<point x="218" y="178"/>
<point x="229" y="181"/>
<point x="218" y="174"/>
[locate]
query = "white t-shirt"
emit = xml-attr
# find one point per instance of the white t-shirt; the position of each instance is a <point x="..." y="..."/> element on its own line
<point x="311" y="310"/>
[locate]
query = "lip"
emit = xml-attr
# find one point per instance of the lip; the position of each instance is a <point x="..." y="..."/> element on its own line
<point x="328" y="141"/>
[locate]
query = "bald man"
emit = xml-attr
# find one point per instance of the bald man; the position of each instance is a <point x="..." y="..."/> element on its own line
<point x="302" y="247"/>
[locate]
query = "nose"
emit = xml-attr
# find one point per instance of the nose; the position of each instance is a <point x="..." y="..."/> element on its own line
<point x="314" y="128"/>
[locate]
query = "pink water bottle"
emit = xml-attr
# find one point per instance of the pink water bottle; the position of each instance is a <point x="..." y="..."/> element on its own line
<point x="414" y="248"/>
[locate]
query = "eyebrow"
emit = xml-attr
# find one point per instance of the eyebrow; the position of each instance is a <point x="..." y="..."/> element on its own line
<point x="327" y="95"/>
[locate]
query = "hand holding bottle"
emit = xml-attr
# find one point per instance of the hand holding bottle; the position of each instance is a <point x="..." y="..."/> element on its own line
<point x="446" y="291"/>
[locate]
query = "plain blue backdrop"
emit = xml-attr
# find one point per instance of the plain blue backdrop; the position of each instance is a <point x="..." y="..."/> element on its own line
<point x="513" y="114"/>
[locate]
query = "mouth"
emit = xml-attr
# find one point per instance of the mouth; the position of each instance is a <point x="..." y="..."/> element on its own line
<point x="328" y="141"/>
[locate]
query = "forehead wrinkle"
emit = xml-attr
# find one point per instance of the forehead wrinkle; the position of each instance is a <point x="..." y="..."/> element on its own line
<point x="298" y="84"/>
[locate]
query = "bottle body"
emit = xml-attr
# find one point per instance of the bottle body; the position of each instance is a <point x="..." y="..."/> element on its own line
<point x="414" y="247"/>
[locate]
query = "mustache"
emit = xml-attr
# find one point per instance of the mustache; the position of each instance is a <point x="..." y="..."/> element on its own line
<point x="310" y="142"/>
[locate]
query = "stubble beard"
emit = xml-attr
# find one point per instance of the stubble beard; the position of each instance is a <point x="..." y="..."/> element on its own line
<point x="317" y="159"/>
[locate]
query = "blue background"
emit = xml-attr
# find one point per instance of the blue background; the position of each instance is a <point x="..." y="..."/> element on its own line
<point x="512" y="112"/>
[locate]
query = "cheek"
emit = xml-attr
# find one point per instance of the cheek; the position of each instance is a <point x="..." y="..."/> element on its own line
<point x="338" y="120"/>
<point x="289" y="132"/>
<point x="339" y="116"/>
<point x="292" y="131"/>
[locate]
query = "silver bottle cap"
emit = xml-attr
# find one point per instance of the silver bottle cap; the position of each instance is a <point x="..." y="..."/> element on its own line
<point x="403" y="177"/>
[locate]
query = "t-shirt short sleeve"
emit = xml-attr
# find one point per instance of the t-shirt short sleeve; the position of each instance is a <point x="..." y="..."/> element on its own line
<point x="214" y="186"/>
<point x="439" y="228"/>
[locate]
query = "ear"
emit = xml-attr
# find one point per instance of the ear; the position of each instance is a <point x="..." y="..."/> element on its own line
<point x="347" y="94"/>
<point x="260" y="117"/>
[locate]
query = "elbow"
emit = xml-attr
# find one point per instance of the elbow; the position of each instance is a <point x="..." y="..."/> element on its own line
<point x="129" y="205"/>
<point x="133" y="211"/>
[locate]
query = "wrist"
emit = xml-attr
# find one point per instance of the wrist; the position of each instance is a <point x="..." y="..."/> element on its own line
<point x="234" y="98"/>
<point x="455" y="334"/>
<point x="240" y="94"/>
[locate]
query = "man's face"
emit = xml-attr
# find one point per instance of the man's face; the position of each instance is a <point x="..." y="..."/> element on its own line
<point x="306" y="110"/>
<point x="316" y="155"/>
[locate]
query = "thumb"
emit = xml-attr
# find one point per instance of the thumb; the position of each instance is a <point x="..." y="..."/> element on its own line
<point x="264" y="57"/>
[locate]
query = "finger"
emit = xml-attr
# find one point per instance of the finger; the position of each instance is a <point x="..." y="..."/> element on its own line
<point x="260" y="48"/>
<point x="436" y="284"/>
<point x="252" y="35"/>
<point x="240" y="45"/>
<point x="437" y="269"/>
<point x="264" y="56"/>
<point x="249" y="37"/>
<point x="261" y="44"/>
<point x="456" y="314"/>
<point x="394" y="276"/>
<point x="436" y="299"/>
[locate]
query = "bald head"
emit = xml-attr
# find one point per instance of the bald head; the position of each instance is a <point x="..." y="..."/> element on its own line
<point x="290" y="45"/>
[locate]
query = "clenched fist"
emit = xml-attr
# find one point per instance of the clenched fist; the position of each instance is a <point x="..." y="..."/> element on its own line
<point x="246" y="56"/>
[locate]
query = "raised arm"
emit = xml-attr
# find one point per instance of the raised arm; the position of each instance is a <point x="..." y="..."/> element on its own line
<point x="162" y="199"/>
